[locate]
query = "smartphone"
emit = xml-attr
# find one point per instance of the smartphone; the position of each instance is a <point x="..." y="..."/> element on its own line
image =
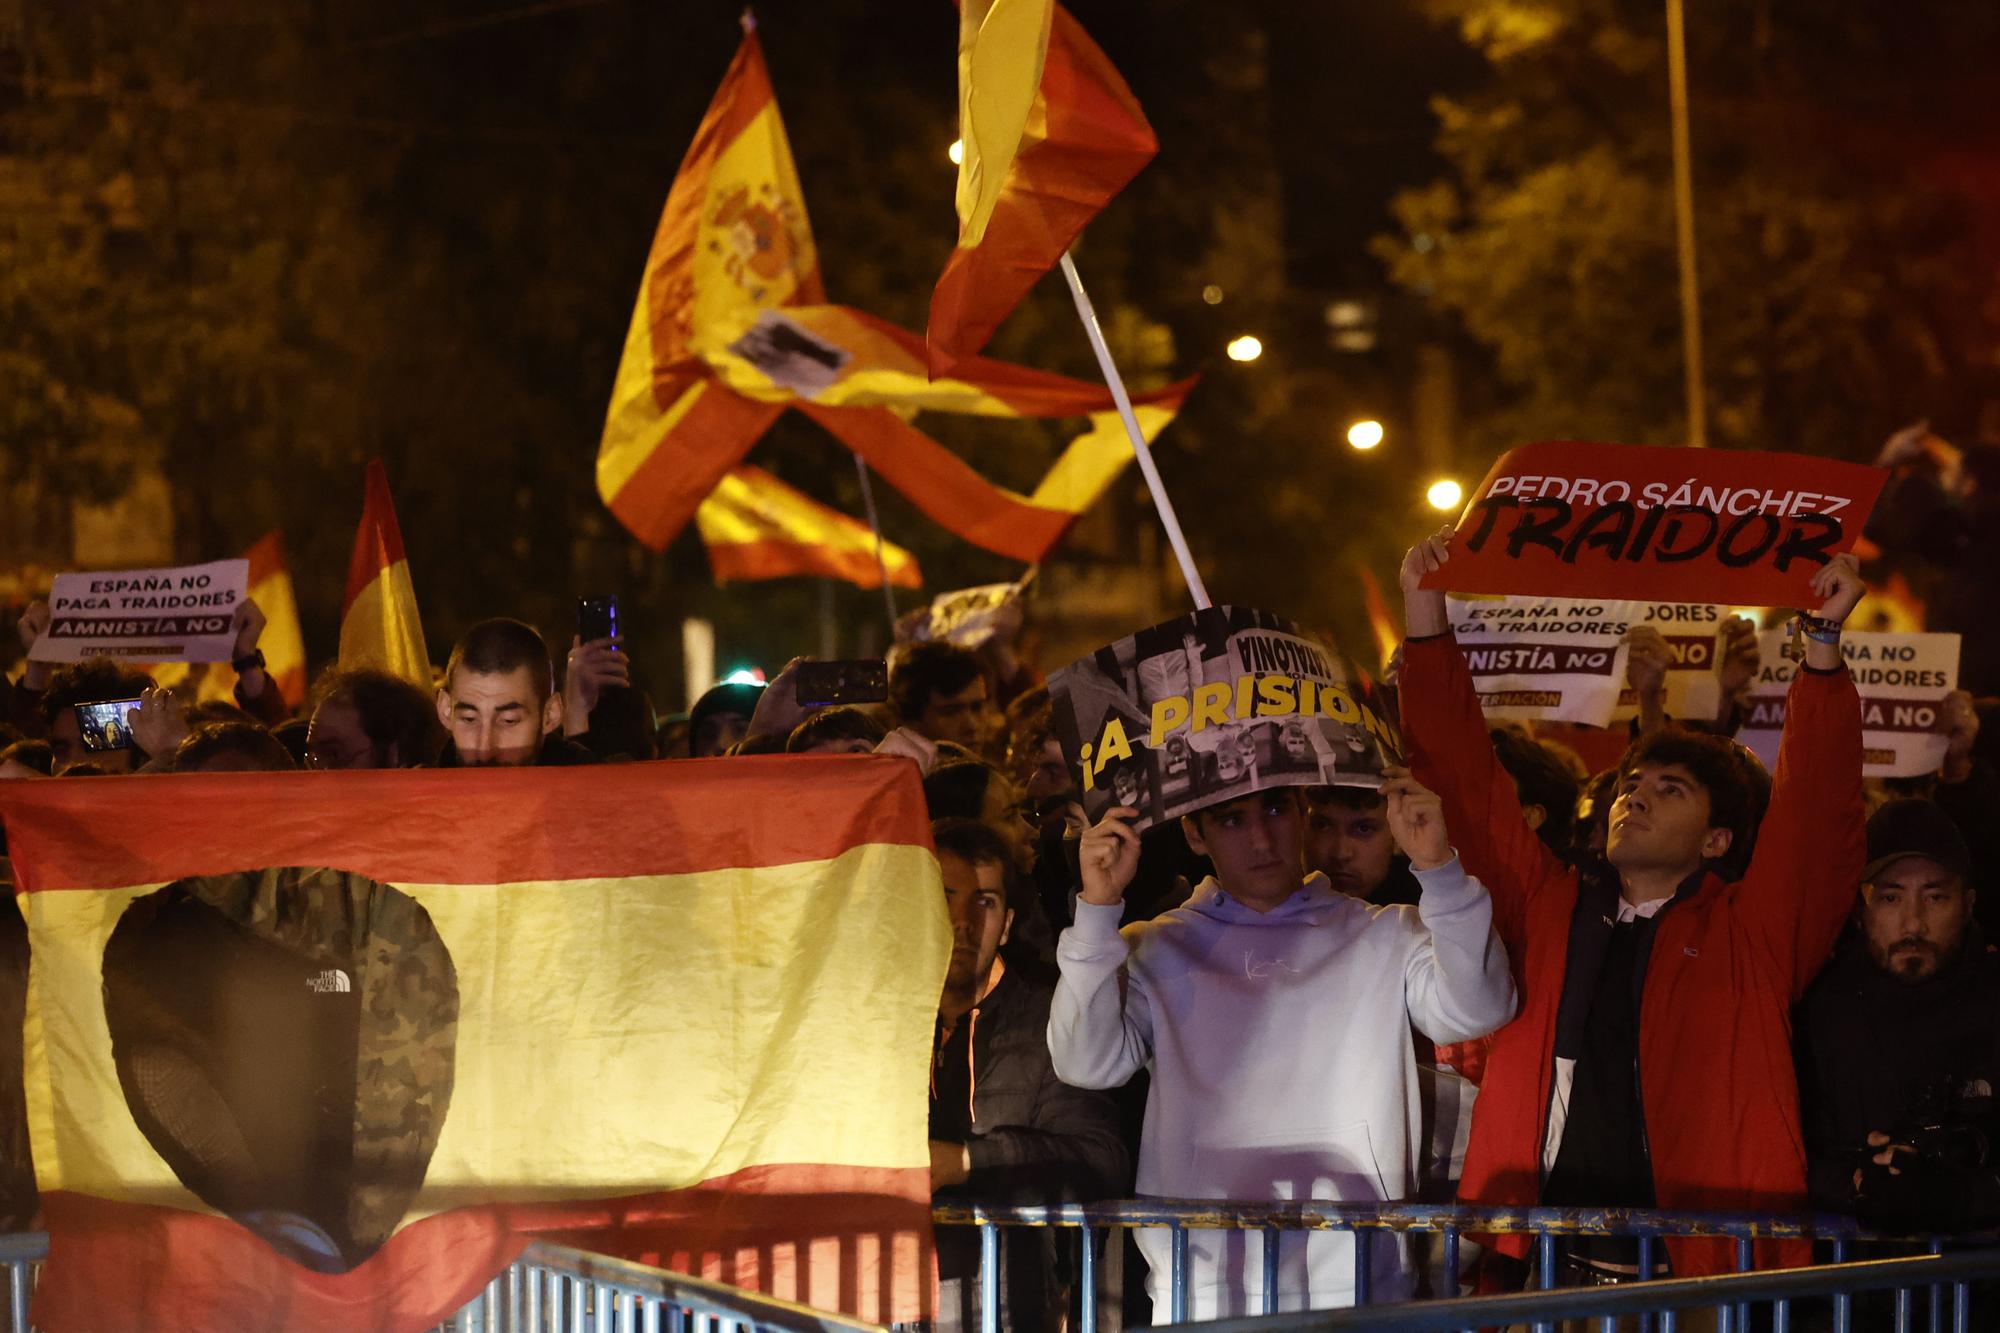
<point x="597" y="617"/>
<point x="863" y="680"/>
<point x="106" y="725"/>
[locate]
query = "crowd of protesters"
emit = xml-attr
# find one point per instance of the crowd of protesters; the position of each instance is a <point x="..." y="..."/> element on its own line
<point x="1683" y="982"/>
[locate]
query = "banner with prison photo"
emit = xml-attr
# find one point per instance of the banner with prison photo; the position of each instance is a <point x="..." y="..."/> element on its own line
<point x="1563" y="518"/>
<point x="1903" y="680"/>
<point x="145" y="615"/>
<point x="1211" y="706"/>
<point x="1563" y="660"/>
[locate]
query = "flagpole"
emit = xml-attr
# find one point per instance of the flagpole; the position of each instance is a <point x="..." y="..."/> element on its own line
<point x="1165" y="506"/>
<point x="875" y="524"/>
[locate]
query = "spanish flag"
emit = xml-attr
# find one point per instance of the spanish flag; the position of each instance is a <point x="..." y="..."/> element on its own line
<point x="320" y="1051"/>
<point x="1050" y="134"/>
<point x="732" y="328"/>
<point x="379" y="625"/>
<point x="757" y="527"/>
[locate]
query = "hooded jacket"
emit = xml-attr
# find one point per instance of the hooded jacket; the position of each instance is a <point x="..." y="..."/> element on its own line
<point x="1282" y="1069"/>
<point x="1725" y="963"/>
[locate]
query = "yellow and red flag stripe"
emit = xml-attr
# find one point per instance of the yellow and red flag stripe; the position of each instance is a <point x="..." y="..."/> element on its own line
<point x="379" y="624"/>
<point x="731" y="328"/>
<point x="757" y="527"/>
<point x="1050" y="134"/>
<point x="694" y="1010"/>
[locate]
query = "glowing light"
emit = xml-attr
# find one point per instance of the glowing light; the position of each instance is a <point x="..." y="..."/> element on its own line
<point x="1365" y="434"/>
<point x="1212" y="294"/>
<point x="745" y="676"/>
<point x="956" y="152"/>
<point x="1245" y="347"/>
<point x="1446" y="494"/>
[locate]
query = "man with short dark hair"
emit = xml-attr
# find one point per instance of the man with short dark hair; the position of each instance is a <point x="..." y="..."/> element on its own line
<point x="1657" y="984"/>
<point x="1348" y="840"/>
<point x="1899" y="1041"/>
<point x="499" y="701"/>
<point x="1273" y="1014"/>
<point x="1004" y="1128"/>
<point x="842" y="729"/>
<point x="364" y="718"/>
<point x="721" y="717"/>
<point x="943" y="693"/>
<point x="231" y="747"/>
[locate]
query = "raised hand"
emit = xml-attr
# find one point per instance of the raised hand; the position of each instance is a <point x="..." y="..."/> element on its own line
<point x="591" y="667"/>
<point x="1739" y="657"/>
<point x="1109" y="856"/>
<point x="1839" y="583"/>
<point x="1416" y="820"/>
<point x="1424" y="610"/>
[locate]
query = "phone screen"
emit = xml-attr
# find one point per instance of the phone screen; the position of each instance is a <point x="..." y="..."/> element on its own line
<point x="106" y="725"/>
<point x="861" y="680"/>
<point x="597" y="617"/>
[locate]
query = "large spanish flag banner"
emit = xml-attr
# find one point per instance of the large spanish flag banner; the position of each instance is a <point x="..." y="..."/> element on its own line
<point x="1050" y="133"/>
<point x="732" y="328"/>
<point x="757" y="527"/>
<point x="320" y="1051"/>
<point x="379" y="624"/>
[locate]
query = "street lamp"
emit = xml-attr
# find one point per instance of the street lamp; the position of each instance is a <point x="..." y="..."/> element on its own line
<point x="1245" y="347"/>
<point x="956" y="152"/>
<point x="1365" y="434"/>
<point x="1445" y="495"/>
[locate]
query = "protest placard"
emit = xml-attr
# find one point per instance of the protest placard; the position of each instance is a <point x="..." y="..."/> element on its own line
<point x="1570" y="519"/>
<point x="1903" y="680"/>
<point x="969" y="617"/>
<point x="145" y="615"/>
<point x="1210" y="706"/>
<point x="1563" y="660"/>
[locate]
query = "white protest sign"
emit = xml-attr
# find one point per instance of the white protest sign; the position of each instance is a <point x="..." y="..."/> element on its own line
<point x="145" y="615"/>
<point x="1562" y="660"/>
<point x="1903" y="680"/>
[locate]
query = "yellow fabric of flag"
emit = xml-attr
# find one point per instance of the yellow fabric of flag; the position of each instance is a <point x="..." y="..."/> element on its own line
<point x="1001" y="47"/>
<point x="757" y="527"/>
<point x="379" y="626"/>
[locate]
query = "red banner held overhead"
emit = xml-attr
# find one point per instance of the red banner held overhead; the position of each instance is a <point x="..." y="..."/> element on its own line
<point x="1565" y="518"/>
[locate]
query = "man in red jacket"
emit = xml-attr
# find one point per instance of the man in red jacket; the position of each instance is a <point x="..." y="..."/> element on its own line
<point x="1650" y="1065"/>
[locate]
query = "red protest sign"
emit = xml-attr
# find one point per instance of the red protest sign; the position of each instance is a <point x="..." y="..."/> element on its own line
<point x="1565" y="518"/>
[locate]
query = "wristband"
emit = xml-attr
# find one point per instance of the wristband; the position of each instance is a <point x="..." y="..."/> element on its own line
<point x="253" y="658"/>
<point x="1819" y="629"/>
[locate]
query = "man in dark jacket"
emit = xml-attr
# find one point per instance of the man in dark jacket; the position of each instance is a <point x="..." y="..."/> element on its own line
<point x="1004" y="1128"/>
<point x="1899" y="1041"/>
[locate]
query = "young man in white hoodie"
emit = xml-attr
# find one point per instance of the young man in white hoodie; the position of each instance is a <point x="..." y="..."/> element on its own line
<point x="1274" y="1014"/>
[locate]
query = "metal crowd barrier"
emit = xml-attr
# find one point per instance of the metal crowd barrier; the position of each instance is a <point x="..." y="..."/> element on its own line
<point x="556" y="1289"/>
<point x="1448" y="1223"/>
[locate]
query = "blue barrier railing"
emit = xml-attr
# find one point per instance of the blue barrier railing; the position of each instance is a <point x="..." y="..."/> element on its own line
<point x="556" y="1289"/>
<point x="1448" y="1224"/>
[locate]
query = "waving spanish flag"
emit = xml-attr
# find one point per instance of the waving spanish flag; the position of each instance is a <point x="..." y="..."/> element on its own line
<point x="732" y="328"/>
<point x="379" y="625"/>
<point x="1050" y="134"/>
<point x="757" y="527"/>
<point x="318" y="1051"/>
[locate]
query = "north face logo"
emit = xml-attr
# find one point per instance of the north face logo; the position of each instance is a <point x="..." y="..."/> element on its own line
<point x="333" y="979"/>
